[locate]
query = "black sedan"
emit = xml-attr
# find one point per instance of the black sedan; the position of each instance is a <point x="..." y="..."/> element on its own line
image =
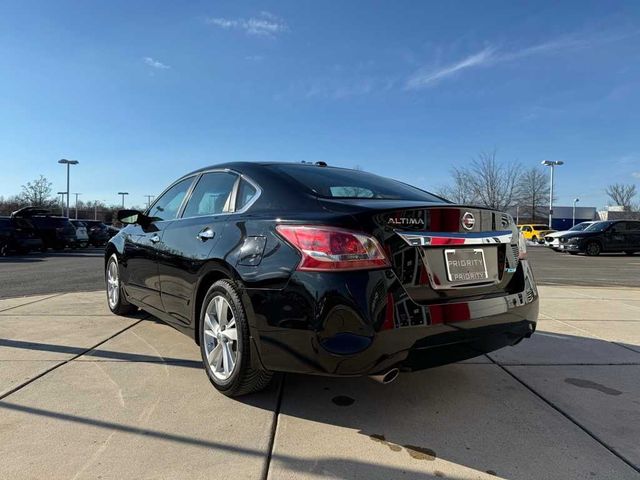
<point x="605" y="236"/>
<point x="276" y="267"/>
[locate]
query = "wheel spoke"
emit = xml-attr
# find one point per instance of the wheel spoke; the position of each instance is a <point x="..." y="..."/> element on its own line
<point x="231" y="334"/>
<point x="211" y="323"/>
<point x="214" y="356"/>
<point x="222" y="308"/>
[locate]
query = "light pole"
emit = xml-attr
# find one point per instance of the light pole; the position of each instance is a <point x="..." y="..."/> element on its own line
<point x="68" y="163"/>
<point x="149" y="198"/>
<point x="123" y="194"/>
<point x="517" y="214"/>
<point x="77" y="195"/>
<point x="552" y="164"/>
<point x="62" y="203"/>
<point x="575" y="200"/>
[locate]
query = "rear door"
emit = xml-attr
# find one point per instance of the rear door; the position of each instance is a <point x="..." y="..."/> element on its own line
<point x="633" y="237"/>
<point x="142" y="242"/>
<point x="189" y="241"/>
<point x="615" y="238"/>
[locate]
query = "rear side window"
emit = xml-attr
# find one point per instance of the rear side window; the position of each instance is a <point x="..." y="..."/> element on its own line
<point x="246" y="192"/>
<point x="212" y="195"/>
<point x="167" y="206"/>
<point x="343" y="183"/>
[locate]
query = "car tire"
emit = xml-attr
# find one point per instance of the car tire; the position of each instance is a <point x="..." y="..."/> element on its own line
<point x="593" y="249"/>
<point x="4" y="250"/>
<point x="115" y="298"/>
<point x="225" y="343"/>
<point x="534" y="239"/>
<point x="573" y="253"/>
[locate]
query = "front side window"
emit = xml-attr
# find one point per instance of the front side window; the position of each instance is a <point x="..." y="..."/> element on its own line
<point x="167" y="206"/>
<point x="212" y="195"/>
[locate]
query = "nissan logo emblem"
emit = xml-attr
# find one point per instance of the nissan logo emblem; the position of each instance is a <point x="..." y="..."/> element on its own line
<point x="468" y="221"/>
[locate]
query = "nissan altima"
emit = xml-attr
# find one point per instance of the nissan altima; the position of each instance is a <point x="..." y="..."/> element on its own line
<point x="282" y="267"/>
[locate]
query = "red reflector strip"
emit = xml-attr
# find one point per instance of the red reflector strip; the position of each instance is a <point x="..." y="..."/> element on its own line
<point x="446" y="241"/>
<point x="456" y="312"/>
<point x="389" y="313"/>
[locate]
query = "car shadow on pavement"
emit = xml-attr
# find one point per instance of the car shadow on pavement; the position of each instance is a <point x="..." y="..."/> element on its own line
<point x="99" y="353"/>
<point x="469" y="415"/>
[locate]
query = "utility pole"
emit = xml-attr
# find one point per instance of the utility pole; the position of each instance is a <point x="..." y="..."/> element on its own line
<point x="77" y="195"/>
<point x="575" y="200"/>
<point x="62" y="203"/>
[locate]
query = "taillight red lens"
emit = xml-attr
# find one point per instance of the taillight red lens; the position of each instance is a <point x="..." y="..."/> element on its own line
<point x="328" y="248"/>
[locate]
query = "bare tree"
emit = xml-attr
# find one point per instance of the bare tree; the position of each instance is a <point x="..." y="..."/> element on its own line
<point x="621" y="194"/>
<point x="36" y="193"/>
<point x="533" y="191"/>
<point x="461" y="190"/>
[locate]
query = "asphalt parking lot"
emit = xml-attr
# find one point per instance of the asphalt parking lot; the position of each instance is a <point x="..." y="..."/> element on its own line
<point x="81" y="270"/>
<point x="86" y="394"/>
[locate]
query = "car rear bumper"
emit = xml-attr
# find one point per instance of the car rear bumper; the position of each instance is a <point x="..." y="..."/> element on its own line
<point x="364" y="323"/>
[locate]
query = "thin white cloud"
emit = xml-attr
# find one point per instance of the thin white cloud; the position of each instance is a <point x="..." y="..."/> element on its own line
<point x="428" y="76"/>
<point x="491" y="55"/>
<point x="635" y="175"/>
<point x="153" y="63"/>
<point x="264" y="24"/>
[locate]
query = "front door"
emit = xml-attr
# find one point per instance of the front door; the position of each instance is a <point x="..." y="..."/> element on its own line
<point x="189" y="242"/>
<point x="615" y="237"/>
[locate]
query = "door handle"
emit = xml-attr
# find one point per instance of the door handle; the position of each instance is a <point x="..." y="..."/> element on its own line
<point x="206" y="234"/>
<point x="155" y="238"/>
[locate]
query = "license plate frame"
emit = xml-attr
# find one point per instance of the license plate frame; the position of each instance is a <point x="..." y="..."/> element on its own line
<point x="460" y="276"/>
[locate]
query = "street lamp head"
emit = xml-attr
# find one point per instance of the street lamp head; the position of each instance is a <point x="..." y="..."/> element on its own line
<point x="68" y="162"/>
<point x="550" y="163"/>
<point x="576" y="199"/>
<point x="62" y="193"/>
<point x="123" y="193"/>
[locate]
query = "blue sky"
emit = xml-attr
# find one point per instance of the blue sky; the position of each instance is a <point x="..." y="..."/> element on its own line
<point x="142" y="92"/>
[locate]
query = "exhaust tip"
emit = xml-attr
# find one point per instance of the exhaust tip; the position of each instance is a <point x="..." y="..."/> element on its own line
<point x="387" y="377"/>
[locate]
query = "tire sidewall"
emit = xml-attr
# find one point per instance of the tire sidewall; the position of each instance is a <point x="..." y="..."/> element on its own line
<point x="228" y="290"/>
<point x="593" y="253"/>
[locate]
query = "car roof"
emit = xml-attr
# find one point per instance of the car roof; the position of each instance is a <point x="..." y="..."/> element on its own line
<point x="241" y="166"/>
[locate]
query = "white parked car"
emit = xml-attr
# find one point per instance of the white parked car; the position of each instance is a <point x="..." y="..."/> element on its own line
<point x="552" y="240"/>
<point x="82" y="236"/>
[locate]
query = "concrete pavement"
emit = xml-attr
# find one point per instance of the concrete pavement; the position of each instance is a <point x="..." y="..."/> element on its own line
<point x="85" y="394"/>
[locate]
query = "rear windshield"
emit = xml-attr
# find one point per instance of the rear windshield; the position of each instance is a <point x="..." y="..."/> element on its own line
<point x="540" y="227"/>
<point x="343" y="183"/>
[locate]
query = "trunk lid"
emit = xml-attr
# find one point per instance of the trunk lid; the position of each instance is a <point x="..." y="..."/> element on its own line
<point x="441" y="252"/>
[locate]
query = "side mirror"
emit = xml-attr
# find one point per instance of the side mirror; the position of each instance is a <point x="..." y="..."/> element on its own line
<point x="130" y="217"/>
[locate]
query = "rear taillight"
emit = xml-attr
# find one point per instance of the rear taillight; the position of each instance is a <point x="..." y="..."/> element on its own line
<point x="522" y="247"/>
<point x="328" y="248"/>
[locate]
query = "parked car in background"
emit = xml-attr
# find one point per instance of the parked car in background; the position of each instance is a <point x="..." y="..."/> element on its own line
<point x="535" y="232"/>
<point x="55" y="232"/>
<point x="605" y="236"/>
<point x="17" y="235"/>
<point x="82" y="237"/>
<point x="98" y="232"/>
<point x="552" y="240"/>
<point x="321" y="270"/>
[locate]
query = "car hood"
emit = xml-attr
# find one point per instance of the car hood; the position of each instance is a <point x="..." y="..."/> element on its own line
<point x="558" y="234"/>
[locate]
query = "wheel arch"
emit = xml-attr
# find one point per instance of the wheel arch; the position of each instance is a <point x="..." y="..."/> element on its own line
<point x="212" y="272"/>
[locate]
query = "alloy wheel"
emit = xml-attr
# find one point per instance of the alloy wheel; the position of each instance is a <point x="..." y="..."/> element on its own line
<point x="113" y="283"/>
<point x="220" y="337"/>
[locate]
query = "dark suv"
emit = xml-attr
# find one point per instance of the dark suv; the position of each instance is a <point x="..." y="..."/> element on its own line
<point x="17" y="235"/>
<point x="55" y="232"/>
<point x="99" y="233"/>
<point x="606" y="236"/>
